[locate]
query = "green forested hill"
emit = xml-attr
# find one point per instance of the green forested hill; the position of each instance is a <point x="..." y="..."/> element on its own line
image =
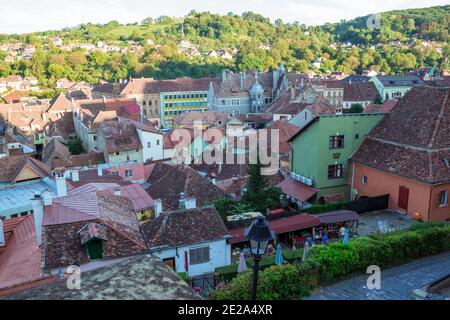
<point x="406" y="40"/>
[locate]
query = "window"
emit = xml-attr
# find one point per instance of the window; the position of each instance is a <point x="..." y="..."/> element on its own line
<point x="157" y="142"/>
<point x="199" y="255"/>
<point x="128" y="173"/>
<point x="149" y="144"/>
<point x="335" y="171"/>
<point x="95" y="138"/>
<point x="443" y="198"/>
<point x="336" y="142"/>
<point x="117" y="153"/>
<point x="364" y="179"/>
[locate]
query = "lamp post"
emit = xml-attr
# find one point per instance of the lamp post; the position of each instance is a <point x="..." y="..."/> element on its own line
<point x="259" y="235"/>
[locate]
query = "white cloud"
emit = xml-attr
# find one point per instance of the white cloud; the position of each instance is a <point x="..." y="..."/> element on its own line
<point x="31" y="15"/>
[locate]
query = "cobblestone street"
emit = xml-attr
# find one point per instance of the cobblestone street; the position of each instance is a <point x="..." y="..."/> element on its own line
<point x="397" y="283"/>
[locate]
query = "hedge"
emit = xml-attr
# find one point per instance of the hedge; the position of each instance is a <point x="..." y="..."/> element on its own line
<point x="227" y="273"/>
<point x="333" y="262"/>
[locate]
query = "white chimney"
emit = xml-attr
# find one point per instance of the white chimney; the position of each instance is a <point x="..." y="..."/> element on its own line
<point x="61" y="186"/>
<point x="38" y="214"/>
<point x="182" y="201"/>
<point x="2" y="235"/>
<point x="99" y="171"/>
<point x="191" y="203"/>
<point x="75" y="176"/>
<point x="157" y="204"/>
<point x="47" y="198"/>
<point x="117" y="191"/>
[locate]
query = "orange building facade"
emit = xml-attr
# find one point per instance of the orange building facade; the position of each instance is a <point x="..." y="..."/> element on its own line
<point x="417" y="199"/>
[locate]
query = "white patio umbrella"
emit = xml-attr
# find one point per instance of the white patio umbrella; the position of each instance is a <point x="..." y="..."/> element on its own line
<point x="242" y="265"/>
<point x="305" y="251"/>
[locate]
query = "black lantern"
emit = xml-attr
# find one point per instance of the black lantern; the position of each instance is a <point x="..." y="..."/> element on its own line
<point x="259" y="235"/>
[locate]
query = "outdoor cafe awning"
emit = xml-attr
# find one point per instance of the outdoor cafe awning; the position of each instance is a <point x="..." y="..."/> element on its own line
<point x="296" y="189"/>
<point x="289" y="224"/>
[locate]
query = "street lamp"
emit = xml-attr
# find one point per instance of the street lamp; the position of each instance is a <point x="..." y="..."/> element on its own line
<point x="259" y="235"/>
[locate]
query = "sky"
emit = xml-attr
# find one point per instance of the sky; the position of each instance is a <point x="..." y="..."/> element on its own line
<point x="21" y="16"/>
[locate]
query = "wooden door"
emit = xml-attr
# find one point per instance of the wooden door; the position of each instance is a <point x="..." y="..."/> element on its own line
<point x="403" y="196"/>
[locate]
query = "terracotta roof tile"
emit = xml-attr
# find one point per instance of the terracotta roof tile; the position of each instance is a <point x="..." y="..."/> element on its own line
<point x="413" y="140"/>
<point x="177" y="228"/>
<point x="20" y="260"/>
<point x="167" y="182"/>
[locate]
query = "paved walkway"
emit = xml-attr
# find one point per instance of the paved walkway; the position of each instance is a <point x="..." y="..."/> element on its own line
<point x="368" y="222"/>
<point x="397" y="283"/>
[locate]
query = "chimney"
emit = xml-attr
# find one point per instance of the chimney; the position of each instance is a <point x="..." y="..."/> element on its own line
<point x="104" y="99"/>
<point x="224" y="75"/>
<point x="292" y="93"/>
<point x="157" y="204"/>
<point x="61" y="186"/>
<point x="241" y="81"/>
<point x="47" y="198"/>
<point x="117" y="191"/>
<point x="2" y="235"/>
<point x="99" y="171"/>
<point x="191" y="203"/>
<point x="75" y="176"/>
<point x="182" y="202"/>
<point x="38" y="214"/>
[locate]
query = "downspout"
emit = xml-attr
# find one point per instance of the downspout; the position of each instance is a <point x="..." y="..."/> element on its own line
<point x="353" y="180"/>
<point x="429" y="203"/>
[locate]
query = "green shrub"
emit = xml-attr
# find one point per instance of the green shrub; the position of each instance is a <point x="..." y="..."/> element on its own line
<point x="183" y="276"/>
<point x="327" y="263"/>
<point x="274" y="283"/>
<point x="227" y="273"/>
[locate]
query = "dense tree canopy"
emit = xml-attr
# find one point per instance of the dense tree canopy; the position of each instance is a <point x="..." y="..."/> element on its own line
<point x="257" y="43"/>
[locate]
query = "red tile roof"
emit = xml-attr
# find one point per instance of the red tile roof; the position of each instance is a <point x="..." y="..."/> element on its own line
<point x="412" y="140"/>
<point x="285" y="131"/>
<point x="176" y="228"/>
<point x="20" y="260"/>
<point x="360" y="91"/>
<point x="289" y="224"/>
<point x="296" y="189"/>
<point x="139" y="197"/>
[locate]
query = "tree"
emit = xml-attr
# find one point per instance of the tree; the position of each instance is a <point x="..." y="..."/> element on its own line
<point x="355" y="108"/>
<point x="75" y="146"/>
<point x="5" y="69"/>
<point x="258" y="194"/>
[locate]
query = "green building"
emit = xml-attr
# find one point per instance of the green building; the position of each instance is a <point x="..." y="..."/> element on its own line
<point x="320" y="153"/>
<point x="395" y="87"/>
<point x="174" y="103"/>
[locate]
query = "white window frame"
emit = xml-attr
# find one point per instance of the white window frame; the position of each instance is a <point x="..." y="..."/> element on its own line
<point x="443" y="198"/>
<point x="364" y="179"/>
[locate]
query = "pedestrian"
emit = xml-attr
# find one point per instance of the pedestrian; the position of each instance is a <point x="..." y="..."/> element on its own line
<point x="342" y="232"/>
